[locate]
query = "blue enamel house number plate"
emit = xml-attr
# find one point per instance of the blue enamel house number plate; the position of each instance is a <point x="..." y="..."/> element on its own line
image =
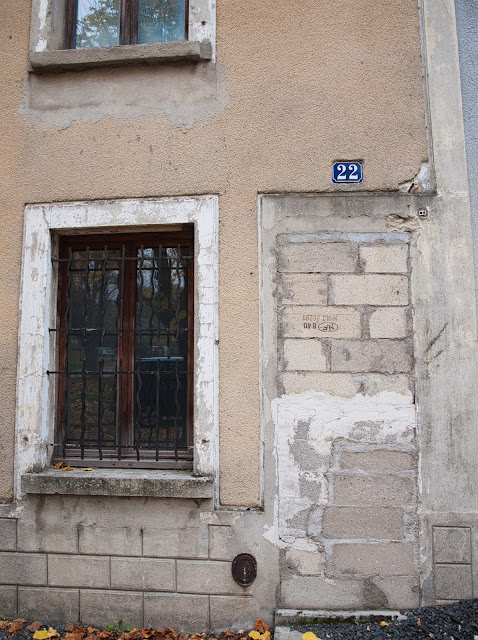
<point x="347" y="172"/>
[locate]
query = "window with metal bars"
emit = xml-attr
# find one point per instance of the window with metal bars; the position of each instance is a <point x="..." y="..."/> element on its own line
<point x="109" y="23"/>
<point x="124" y="340"/>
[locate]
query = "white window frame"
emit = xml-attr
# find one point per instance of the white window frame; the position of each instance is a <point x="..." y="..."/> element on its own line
<point x="44" y="224"/>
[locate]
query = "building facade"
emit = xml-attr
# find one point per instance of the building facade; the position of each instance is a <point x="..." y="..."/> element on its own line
<point x="235" y="384"/>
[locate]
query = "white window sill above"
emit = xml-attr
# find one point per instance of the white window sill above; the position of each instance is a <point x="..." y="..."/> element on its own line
<point x="119" y="482"/>
<point x="155" y="53"/>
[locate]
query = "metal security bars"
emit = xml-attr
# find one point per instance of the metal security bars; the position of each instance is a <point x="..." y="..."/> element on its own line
<point x="124" y="339"/>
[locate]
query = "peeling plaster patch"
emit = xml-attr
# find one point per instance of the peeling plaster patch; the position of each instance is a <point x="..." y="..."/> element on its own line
<point x="182" y="94"/>
<point x="398" y="223"/>
<point x="307" y="426"/>
<point x="421" y="183"/>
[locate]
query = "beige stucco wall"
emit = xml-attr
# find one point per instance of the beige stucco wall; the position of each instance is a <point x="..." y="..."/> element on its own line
<point x="291" y="92"/>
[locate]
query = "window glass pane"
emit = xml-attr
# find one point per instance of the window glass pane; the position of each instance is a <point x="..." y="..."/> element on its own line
<point x="161" y="347"/>
<point x="161" y="20"/>
<point x="97" y="23"/>
<point x="92" y="316"/>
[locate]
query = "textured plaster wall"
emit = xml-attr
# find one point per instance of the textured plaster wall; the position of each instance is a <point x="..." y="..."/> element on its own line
<point x="291" y="92"/>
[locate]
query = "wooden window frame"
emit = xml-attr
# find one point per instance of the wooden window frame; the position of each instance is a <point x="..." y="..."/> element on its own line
<point x="128" y="22"/>
<point x="126" y="350"/>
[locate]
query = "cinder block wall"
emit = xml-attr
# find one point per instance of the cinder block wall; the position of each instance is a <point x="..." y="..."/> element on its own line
<point x="345" y="421"/>
<point x="149" y="562"/>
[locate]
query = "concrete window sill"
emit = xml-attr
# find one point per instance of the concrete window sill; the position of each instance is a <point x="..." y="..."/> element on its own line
<point x="133" y="54"/>
<point x="119" y="482"/>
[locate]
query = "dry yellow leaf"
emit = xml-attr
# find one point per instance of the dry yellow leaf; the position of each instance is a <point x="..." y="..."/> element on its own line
<point x="308" y="635"/>
<point x="42" y="634"/>
<point x="384" y="624"/>
<point x="87" y="469"/>
<point x="265" y="636"/>
<point x="255" y="635"/>
<point x="58" y="465"/>
<point x="68" y="468"/>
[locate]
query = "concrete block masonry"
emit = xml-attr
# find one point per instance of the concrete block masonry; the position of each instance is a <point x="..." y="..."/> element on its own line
<point x="345" y="428"/>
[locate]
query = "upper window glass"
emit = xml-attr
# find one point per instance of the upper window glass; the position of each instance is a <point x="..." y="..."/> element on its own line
<point x="109" y="23"/>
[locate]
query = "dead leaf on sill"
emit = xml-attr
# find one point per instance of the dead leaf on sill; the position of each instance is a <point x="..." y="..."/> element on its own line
<point x="58" y="465"/>
<point x="87" y="469"/>
<point x="67" y="468"/>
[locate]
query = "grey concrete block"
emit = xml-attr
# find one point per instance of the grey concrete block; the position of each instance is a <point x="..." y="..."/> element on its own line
<point x="176" y="540"/>
<point x="373" y="383"/>
<point x="308" y="257"/>
<point x="314" y="592"/>
<point x="233" y="612"/>
<point x="189" y="613"/>
<point x="305" y="355"/>
<point x="385" y="258"/>
<point x="381" y="356"/>
<point x="78" y="571"/>
<point x="372" y="523"/>
<point x="51" y="536"/>
<point x="373" y="559"/>
<point x="377" y="290"/>
<point x="452" y="545"/>
<point x="121" y="541"/>
<point x="305" y="563"/>
<point x="221" y="543"/>
<point x="8" y="602"/>
<point x="352" y="489"/>
<point x="388" y="322"/>
<point x="100" y="608"/>
<point x="143" y="574"/>
<point x="378" y="460"/>
<point x="400" y="592"/>
<point x="8" y="534"/>
<point x="54" y="605"/>
<point x="303" y="288"/>
<point x="338" y="384"/>
<point x="453" y="581"/>
<point x="23" y="568"/>
<point x="198" y="576"/>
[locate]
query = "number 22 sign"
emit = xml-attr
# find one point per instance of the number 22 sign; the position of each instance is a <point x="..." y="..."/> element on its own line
<point x="347" y="172"/>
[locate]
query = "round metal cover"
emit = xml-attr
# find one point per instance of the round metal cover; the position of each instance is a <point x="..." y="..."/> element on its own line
<point x="244" y="569"/>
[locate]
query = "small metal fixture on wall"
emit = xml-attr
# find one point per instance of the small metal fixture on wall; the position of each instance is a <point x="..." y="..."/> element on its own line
<point x="244" y="569"/>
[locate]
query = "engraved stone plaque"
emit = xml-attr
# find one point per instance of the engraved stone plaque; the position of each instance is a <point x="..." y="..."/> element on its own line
<point x="321" y="322"/>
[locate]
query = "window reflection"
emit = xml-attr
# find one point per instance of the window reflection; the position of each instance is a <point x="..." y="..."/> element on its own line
<point x="161" y="20"/>
<point x="97" y="23"/>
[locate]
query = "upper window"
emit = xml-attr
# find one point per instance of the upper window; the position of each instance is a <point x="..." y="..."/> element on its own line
<point x="125" y="349"/>
<point x="83" y="34"/>
<point x="109" y="23"/>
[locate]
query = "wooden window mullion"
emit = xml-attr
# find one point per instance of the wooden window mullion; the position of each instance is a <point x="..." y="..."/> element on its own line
<point x="134" y="10"/>
<point x="70" y="30"/>
<point x="126" y="348"/>
<point x="125" y="22"/>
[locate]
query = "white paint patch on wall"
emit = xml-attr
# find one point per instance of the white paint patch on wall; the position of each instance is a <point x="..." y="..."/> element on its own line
<point x="307" y="426"/>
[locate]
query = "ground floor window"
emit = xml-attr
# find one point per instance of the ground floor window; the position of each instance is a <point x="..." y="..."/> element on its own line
<point x="124" y="338"/>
